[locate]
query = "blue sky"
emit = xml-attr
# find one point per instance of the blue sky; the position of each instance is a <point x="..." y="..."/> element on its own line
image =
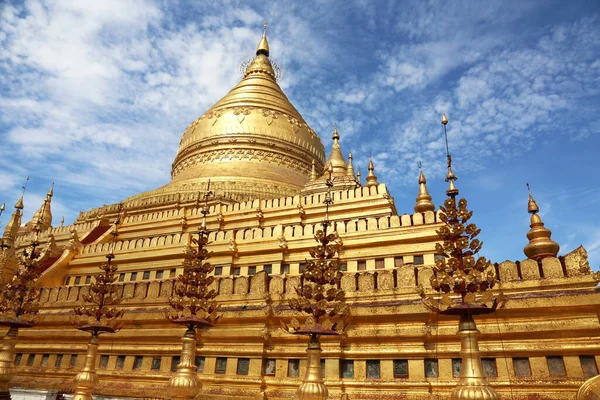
<point x="95" y="95"/>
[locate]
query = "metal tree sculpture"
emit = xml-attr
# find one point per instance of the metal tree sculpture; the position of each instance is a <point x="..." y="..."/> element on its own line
<point x="19" y="306"/>
<point x="99" y="316"/>
<point x="193" y="306"/>
<point x="321" y="297"/>
<point x="459" y="272"/>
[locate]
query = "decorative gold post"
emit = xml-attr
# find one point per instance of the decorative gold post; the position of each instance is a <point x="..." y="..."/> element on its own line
<point x="194" y="307"/>
<point x="185" y="384"/>
<point x="313" y="386"/>
<point x="7" y="366"/>
<point x="461" y="272"/>
<point x="472" y="384"/>
<point x="86" y="379"/>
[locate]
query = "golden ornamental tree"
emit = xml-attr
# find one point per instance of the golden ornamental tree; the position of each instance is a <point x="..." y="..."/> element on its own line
<point x="321" y="297"/>
<point x="99" y="315"/>
<point x="19" y="304"/>
<point x="461" y="272"/>
<point x="193" y="306"/>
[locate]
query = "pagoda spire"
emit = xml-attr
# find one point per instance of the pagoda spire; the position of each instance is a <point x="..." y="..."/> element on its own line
<point x="42" y="219"/>
<point x="424" y="202"/>
<point x="12" y="227"/>
<point x="313" y="171"/>
<point x="263" y="45"/>
<point x="336" y="159"/>
<point x="540" y="244"/>
<point x="371" y="178"/>
<point x="350" y="169"/>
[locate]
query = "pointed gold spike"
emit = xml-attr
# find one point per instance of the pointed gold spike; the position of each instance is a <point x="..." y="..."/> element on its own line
<point x="540" y="243"/>
<point x="263" y="45"/>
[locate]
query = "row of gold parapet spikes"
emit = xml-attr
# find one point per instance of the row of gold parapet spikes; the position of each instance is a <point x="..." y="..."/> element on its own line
<point x="352" y="282"/>
<point x="113" y="209"/>
<point x="175" y="198"/>
<point x="275" y="232"/>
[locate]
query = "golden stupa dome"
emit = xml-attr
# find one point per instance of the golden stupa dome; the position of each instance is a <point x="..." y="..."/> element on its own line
<point x="252" y="144"/>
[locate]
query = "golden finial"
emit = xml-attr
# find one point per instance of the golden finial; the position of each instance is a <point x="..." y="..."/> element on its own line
<point x="2" y="207"/>
<point x="532" y="206"/>
<point x="371" y="178"/>
<point x="424" y="202"/>
<point x="350" y="166"/>
<point x="51" y="191"/>
<point x="62" y="221"/>
<point x="313" y="171"/>
<point x="19" y="205"/>
<point x="336" y="159"/>
<point x="358" y="177"/>
<point x="450" y="177"/>
<point x="540" y="243"/>
<point x="263" y="45"/>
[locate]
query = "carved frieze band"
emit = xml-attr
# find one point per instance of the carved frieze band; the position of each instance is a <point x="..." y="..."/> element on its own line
<point x="265" y="156"/>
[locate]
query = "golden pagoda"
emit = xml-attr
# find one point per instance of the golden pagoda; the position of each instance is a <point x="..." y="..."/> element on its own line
<point x="270" y="179"/>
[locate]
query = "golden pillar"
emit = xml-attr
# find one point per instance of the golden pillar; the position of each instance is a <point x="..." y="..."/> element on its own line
<point x="185" y="384"/>
<point x="472" y="384"/>
<point x="7" y="366"/>
<point x="86" y="379"/>
<point x="313" y="386"/>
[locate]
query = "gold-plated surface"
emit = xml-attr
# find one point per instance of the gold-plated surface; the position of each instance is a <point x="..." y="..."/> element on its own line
<point x="313" y="386"/>
<point x="424" y="202"/>
<point x="87" y="379"/>
<point x="540" y="243"/>
<point x="185" y="384"/>
<point x="472" y="384"/>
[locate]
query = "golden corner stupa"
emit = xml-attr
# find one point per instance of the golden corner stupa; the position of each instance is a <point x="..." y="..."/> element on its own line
<point x="213" y="286"/>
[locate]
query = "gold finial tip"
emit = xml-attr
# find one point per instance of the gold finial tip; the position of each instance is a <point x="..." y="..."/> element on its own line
<point x="532" y="206"/>
<point x="444" y="119"/>
<point x="371" y="166"/>
<point x="3" y="206"/>
<point x="336" y="134"/>
<point x="263" y="45"/>
<point x="422" y="177"/>
<point x="19" y="205"/>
